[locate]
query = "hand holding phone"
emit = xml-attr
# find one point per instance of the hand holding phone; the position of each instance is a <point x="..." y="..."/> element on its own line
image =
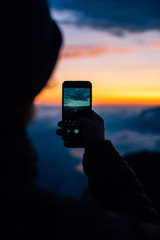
<point x="92" y="129"/>
<point x="80" y="124"/>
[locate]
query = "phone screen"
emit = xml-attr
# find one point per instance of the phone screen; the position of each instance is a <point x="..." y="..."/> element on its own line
<point x="76" y="103"/>
<point x="76" y="100"/>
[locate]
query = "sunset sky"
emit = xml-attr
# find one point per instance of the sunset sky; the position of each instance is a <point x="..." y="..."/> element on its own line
<point x="115" y="44"/>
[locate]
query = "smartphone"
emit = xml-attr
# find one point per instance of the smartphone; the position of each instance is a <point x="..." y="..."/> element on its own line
<point x="76" y="102"/>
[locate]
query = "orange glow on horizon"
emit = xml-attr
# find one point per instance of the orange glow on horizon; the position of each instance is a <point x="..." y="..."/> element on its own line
<point x="53" y="97"/>
<point x="120" y="76"/>
<point x="127" y="102"/>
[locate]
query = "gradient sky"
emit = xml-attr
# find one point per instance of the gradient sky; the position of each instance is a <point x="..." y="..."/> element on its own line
<point x="115" y="44"/>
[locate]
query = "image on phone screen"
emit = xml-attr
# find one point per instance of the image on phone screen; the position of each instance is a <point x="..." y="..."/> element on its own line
<point x="76" y="99"/>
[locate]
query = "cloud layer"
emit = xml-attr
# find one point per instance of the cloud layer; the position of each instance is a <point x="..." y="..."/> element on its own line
<point x="117" y="16"/>
<point x="83" y="51"/>
<point x="58" y="165"/>
<point x="92" y="51"/>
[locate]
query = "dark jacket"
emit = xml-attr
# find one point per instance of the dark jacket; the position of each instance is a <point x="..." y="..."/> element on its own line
<point x="121" y="210"/>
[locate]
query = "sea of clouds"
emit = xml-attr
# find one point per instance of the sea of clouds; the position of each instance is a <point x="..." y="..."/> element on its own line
<point x="131" y="129"/>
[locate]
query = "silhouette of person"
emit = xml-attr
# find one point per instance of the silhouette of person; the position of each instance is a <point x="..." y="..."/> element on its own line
<point x="30" y="46"/>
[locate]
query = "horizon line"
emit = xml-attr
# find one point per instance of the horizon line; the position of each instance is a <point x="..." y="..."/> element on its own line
<point x="104" y="104"/>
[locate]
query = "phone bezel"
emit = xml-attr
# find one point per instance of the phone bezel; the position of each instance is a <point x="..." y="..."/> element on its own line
<point x="75" y="84"/>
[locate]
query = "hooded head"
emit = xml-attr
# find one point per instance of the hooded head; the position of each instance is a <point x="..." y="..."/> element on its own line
<point x="29" y="50"/>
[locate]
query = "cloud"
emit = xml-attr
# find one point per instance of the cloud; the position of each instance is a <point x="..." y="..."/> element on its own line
<point x="92" y="51"/>
<point x="147" y="121"/>
<point x="83" y="51"/>
<point x="47" y="112"/>
<point x="127" y="141"/>
<point x="117" y="16"/>
<point x="155" y="45"/>
<point x="77" y="153"/>
<point x="80" y="95"/>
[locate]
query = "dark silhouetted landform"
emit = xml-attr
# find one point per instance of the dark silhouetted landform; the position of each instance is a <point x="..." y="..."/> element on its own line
<point x="146" y="166"/>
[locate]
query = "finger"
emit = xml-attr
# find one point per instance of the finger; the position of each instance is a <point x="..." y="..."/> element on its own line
<point x="70" y="145"/>
<point x="59" y="132"/>
<point x="60" y="124"/>
<point x="96" y="116"/>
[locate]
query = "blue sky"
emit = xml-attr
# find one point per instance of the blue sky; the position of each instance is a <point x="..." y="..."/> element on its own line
<point x="116" y="16"/>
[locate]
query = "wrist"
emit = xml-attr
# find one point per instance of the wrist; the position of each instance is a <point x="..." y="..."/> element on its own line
<point x="99" y="158"/>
